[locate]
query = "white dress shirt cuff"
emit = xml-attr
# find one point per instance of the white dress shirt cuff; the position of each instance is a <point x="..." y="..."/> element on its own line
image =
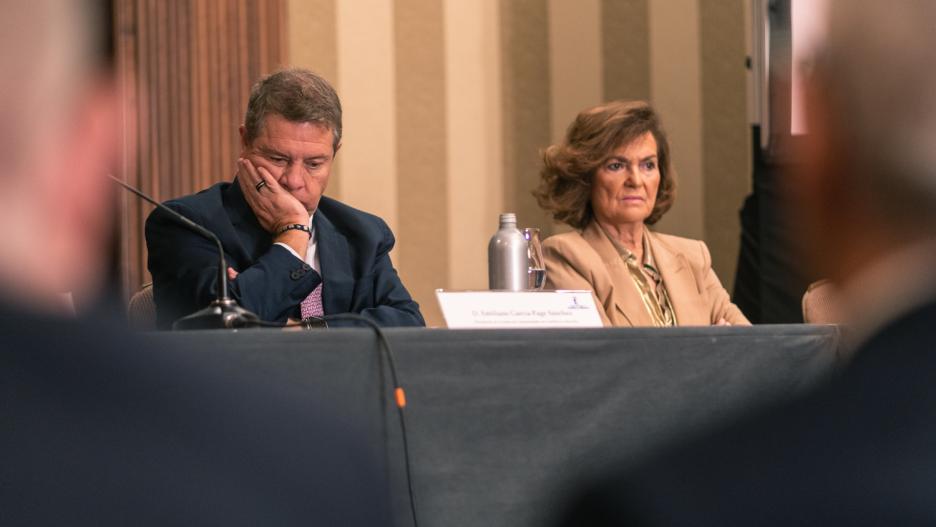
<point x="290" y="249"/>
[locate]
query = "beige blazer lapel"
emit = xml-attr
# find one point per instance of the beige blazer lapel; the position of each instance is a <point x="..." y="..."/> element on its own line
<point x="628" y="305"/>
<point x="680" y="283"/>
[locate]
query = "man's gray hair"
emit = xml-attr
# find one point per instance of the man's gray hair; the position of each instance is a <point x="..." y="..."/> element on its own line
<point x="878" y="66"/>
<point x="299" y="96"/>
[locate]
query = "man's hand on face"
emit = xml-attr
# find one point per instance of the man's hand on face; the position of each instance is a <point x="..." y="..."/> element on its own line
<point x="273" y="205"/>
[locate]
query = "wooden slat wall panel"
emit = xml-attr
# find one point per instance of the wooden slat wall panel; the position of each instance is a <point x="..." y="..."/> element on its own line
<point x="187" y="68"/>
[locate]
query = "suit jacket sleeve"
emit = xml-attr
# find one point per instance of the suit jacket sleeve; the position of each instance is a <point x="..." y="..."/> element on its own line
<point x="393" y="305"/>
<point x="562" y="274"/>
<point x="184" y="266"/>
<point x="719" y="300"/>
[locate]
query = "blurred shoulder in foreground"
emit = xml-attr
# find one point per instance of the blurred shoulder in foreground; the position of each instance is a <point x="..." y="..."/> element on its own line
<point x="856" y="452"/>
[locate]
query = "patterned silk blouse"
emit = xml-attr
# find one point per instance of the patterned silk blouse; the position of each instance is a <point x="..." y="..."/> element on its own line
<point x="648" y="282"/>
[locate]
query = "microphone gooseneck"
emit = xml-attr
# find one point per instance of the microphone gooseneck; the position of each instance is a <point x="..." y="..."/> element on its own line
<point x="223" y="312"/>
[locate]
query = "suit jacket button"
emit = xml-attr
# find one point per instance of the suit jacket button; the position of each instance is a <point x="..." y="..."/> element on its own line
<point x="306" y="267"/>
<point x="295" y="275"/>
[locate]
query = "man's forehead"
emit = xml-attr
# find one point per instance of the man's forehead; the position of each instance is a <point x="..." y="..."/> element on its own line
<point x="279" y="130"/>
<point x="277" y="123"/>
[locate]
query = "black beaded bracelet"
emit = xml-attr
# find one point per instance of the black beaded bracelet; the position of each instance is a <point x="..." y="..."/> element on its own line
<point x="296" y="227"/>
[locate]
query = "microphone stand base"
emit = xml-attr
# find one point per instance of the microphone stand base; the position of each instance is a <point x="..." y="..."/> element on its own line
<point x="221" y="314"/>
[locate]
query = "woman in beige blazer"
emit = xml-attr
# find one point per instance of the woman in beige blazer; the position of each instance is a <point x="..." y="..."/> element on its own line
<point x="609" y="180"/>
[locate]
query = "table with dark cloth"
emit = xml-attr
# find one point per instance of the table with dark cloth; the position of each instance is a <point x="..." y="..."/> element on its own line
<point x="502" y="424"/>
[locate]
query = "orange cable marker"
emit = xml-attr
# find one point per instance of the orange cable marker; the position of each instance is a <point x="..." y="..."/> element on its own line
<point x="400" y="397"/>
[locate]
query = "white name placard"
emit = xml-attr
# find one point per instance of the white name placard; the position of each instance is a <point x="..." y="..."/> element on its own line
<point x="518" y="309"/>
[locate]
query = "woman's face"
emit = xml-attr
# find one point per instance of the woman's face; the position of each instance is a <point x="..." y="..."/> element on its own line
<point x="625" y="186"/>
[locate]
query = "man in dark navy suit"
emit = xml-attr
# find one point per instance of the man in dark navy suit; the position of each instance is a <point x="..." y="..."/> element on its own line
<point x="860" y="450"/>
<point x="293" y="253"/>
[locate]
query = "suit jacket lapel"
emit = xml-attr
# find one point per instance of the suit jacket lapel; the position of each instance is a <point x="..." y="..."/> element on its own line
<point x="254" y="240"/>
<point x="678" y="280"/>
<point x="625" y="295"/>
<point x="335" y="260"/>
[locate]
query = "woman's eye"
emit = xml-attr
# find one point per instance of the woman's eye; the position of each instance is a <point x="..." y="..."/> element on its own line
<point x="649" y="165"/>
<point x="614" y="167"/>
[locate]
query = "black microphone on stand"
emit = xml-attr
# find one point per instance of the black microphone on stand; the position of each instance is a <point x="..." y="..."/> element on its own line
<point x="223" y="312"/>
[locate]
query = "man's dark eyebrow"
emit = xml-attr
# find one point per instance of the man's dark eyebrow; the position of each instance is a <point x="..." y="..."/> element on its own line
<point x="269" y="151"/>
<point x="320" y="157"/>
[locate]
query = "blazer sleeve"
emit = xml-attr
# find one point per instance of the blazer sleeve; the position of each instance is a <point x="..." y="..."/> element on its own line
<point x="392" y="305"/>
<point x="184" y="266"/>
<point x="718" y="298"/>
<point x="561" y="273"/>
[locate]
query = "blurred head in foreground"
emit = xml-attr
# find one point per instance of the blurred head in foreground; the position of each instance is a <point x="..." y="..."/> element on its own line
<point x="866" y="194"/>
<point x="58" y="140"/>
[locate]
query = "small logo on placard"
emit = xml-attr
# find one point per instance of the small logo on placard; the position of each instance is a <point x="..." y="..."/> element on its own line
<point x="575" y="304"/>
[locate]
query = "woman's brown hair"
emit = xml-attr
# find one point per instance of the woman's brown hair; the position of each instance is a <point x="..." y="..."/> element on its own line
<point x="569" y="168"/>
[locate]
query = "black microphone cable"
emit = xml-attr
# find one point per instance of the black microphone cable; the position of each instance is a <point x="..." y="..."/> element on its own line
<point x="399" y="395"/>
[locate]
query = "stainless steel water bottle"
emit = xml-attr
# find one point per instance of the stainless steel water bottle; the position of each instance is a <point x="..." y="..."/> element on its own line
<point x="507" y="256"/>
